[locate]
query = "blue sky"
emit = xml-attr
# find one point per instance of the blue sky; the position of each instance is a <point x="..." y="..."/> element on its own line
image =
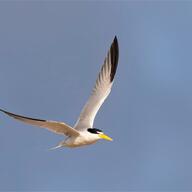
<point x="50" y="55"/>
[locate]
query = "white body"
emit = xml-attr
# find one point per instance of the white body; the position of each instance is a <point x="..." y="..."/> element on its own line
<point x="85" y="138"/>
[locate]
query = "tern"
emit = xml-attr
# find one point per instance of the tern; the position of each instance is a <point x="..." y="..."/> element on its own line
<point x="83" y="132"/>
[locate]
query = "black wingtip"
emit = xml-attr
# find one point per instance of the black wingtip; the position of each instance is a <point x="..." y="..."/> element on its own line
<point x="3" y="111"/>
<point x="114" y="50"/>
<point x="20" y="116"/>
<point x="6" y="112"/>
<point x="115" y="38"/>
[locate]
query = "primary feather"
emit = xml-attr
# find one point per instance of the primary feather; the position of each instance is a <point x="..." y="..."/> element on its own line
<point x="54" y="126"/>
<point x="101" y="89"/>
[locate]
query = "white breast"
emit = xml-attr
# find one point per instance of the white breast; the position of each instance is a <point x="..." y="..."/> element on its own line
<point x="85" y="138"/>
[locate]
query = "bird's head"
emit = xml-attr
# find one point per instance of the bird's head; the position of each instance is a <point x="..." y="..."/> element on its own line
<point x="99" y="133"/>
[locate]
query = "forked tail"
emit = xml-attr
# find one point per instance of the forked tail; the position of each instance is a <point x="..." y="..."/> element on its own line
<point x="56" y="147"/>
<point x="61" y="144"/>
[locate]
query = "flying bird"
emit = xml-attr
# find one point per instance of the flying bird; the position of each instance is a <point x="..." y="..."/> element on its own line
<point x="83" y="132"/>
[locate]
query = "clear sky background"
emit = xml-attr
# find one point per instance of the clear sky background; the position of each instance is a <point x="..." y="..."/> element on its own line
<point x="50" y="56"/>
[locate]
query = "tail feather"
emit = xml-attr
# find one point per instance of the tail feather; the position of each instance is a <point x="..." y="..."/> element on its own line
<point x="56" y="147"/>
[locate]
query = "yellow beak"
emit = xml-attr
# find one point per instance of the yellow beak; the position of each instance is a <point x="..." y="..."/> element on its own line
<point x="103" y="136"/>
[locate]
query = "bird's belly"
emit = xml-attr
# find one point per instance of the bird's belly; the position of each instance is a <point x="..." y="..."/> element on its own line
<point x="79" y="141"/>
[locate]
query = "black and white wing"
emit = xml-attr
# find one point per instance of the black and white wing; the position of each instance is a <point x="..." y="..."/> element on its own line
<point x="54" y="126"/>
<point x="101" y="90"/>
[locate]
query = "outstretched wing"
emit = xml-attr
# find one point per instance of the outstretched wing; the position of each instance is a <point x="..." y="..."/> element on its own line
<point x="101" y="90"/>
<point x="54" y="126"/>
